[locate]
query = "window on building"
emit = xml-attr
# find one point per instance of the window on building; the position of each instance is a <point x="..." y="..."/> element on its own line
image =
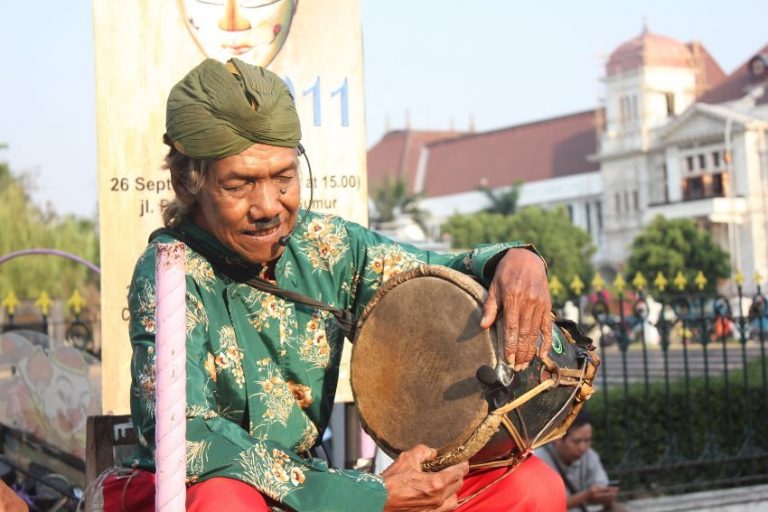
<point x="570" y="212"/>
<point x="623" y="109"/>
<point x="635" y="111"/>
<point x="670" y="98"/>
<point x="636" y="200"/>
<point x="599" y="215"/>
<point x="589" y="218"/>
<point x="705" y="186"/>
<point x="626" y="201"/>
<point x="664" y="185"/>
<point x="618" y="203"/>
<point x="702" y="161"/>
<point x="693" y="188"/>
<point x="689" y="163"/>
<point x="718" y="185"/>
<point x="716" y="159"/>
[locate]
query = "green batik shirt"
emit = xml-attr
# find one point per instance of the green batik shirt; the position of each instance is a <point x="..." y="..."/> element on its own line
<point x="262" y="371"/>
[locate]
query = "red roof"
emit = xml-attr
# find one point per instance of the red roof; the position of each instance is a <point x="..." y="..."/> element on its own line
<point x="397" y="154"/>
<point x="536" y="151"/>
<point x="649" y="49"/>
<point x="736" y="85"/>
<point x="709" y="74"/>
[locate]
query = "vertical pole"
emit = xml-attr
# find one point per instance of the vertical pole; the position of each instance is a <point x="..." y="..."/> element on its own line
<point x="351" y="435"/>
<point x="170" y="393"/>
<point x="685" y="315"/>
<point x="722" y="312"/>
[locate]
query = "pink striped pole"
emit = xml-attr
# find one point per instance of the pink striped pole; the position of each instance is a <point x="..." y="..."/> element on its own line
<point x="170" y="390"/>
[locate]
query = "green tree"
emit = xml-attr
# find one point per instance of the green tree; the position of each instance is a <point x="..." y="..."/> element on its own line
<point x="391" y="197"/>
<point x="669" y="246"/>
<point x="566" y="248"/>
<point x="27" y="226"/>
<point x="504" y="202"/>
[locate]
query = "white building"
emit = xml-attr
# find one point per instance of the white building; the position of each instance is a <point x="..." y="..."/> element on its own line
<point x="675" y="136"/>
<point x="666" y="150"/>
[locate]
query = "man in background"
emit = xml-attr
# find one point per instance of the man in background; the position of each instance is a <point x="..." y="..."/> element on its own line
<point x="586" y="482"/>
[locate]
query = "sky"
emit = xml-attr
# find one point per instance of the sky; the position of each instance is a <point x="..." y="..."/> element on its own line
<point x="428" y="64"/>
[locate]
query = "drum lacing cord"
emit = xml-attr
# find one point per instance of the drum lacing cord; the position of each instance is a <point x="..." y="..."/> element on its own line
<point x="538" y="441"/>
<point x="501" y="414"/>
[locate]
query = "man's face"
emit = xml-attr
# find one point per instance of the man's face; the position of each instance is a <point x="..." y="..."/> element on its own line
<point x="575" y="443"/>
<point x="242" y="201"/>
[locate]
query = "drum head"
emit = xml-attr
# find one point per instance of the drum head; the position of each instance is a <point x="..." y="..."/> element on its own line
<point x="416" y="353"/>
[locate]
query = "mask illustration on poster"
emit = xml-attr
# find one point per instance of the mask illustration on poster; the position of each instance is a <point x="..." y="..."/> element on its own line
<point x="251" y="30"/>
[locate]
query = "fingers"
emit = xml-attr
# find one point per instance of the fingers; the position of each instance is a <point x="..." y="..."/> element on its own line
<point x="410" y="488"/>
<point x="422" y="453"/>
<point x="511" y="333"/>
<point x="529" y="335"/>
<point x="452" y="479"/>
<point x="490" y="308"/>
<point x="410" y="460"/>
<point x="546" y="331"/>
<point x="449" y="504"/>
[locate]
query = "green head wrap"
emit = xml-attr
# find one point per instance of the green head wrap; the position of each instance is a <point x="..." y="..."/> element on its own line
<point x="220" y="110"/>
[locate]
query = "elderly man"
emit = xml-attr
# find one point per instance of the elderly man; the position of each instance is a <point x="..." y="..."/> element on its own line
<point x="262" y="364"/>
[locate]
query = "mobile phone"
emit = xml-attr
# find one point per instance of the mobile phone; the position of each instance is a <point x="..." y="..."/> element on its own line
<point x="613" y="483"/>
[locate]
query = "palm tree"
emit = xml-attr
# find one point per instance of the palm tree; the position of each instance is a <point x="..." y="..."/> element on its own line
<point x="390" y="198"/>
<point x="505" y="202"/>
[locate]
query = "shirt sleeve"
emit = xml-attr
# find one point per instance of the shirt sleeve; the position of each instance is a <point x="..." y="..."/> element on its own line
<point x="217" y="446"/>
<point x="595" y="470"/>
<point x="377" y="258"/>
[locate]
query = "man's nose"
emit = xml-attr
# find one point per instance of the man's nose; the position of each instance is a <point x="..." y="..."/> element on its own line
<point x="265" y="201"/>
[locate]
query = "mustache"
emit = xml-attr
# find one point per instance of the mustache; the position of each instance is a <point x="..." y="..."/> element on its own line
<point x="264" y="224"/>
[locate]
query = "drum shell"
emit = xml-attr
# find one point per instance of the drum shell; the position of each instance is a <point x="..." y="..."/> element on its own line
<point x="387" y="394"/>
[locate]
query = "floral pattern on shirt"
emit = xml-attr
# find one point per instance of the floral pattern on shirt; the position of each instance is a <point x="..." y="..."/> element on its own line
<point x="388" y="260"/>
<point x="274" y="393"/>
<point x="200" y="270"/>
<point x="195" y="314"/>
<point x="144" y="313"/>
<point x="308" y="438"/>
<point x="329" y="245"/>
<point x="271" y="309"/>
<point x="229" y="358"/>
<point x="196" y="458"/>
<point x="146" y="378"/>
<point x="272" y="472"/>
<point x="314" y="347"/>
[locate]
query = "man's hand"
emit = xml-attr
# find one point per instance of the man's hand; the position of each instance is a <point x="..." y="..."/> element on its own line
<point x="521" y="291"/>
<point x="9" y="501"/>
<point x="411" y="489"/>
<point x="602" y="494"/>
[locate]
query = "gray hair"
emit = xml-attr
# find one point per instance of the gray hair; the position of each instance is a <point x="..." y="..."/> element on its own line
<point x="189" y="175"/>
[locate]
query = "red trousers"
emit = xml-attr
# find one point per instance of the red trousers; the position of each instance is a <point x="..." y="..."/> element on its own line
<point x="530" y="487"/>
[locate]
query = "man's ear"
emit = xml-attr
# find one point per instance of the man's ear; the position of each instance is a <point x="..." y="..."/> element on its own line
<point x="181" y="192"/>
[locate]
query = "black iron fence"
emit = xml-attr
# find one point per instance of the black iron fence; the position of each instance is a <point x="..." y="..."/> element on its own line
<point x="682" y="401"/>
<point x="67" y="321"/>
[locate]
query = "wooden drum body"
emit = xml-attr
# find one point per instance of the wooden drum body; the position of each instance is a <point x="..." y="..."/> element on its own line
<point x="416" y="375"/>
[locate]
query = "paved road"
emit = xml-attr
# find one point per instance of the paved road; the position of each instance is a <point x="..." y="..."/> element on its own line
<point x="716" y="361"/>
